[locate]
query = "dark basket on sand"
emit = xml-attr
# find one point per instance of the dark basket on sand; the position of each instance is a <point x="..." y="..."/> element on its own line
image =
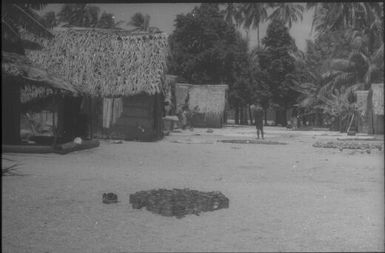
<point x="178" y="202"/>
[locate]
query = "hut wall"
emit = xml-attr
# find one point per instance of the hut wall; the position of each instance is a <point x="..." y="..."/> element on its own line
<point x="378" y="124"/>
<point x="364" y="119"/>
<point x="375" y="108"/>
<point x="181" y="93"/>
<point x="210" y="100"/>
<point x="128" y="118"/>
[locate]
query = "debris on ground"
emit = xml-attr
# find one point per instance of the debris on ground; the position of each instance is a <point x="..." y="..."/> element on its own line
<point x="9" y="169"/>
<point x="358" y="139"/>
<point x="210" y="130"/>
<point x="253" y="142"/>
<point x="192" y="141"/>
<point x="110" y="198"/>
<point x="348" y="145"/>
<point x="178" y="202"/>
<point x="117" y="142"/>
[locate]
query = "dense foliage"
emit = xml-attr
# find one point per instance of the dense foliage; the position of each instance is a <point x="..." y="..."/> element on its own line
<point x="141" y="22"/>
<point x="84" y="15"/>
<point x="278" y="64"/>
<point x="206" y="49"/>
<point x="203" y="46"/>
<point x="347" y="55"/>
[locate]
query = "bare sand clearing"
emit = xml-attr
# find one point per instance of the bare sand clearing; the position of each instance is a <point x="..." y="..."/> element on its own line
<point x="290" y="197"/>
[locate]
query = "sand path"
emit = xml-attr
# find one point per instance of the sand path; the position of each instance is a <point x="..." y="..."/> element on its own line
<point x="290" y="197"/>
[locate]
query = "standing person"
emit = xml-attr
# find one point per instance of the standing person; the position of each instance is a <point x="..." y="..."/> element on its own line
<point x="258" y="117"/>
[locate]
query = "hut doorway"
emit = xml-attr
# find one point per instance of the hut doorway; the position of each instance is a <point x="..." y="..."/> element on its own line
<point x="10" y="113"/>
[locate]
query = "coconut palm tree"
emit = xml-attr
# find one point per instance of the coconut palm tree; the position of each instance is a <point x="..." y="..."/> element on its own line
<point x="17" y="17"/>
<point x="287" y="12"/>
<point x="361" y="26"/>
<point x="233" y="14"/>
<point x="345" y="15"/>
<point x="253" y="14"/>
<point x="141" y="22"/>
<point x="23" y="16"/>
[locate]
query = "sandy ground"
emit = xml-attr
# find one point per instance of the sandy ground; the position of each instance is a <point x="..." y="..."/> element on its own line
<point x="290" y="197"/>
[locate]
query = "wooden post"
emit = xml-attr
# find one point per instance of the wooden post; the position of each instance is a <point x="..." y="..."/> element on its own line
<point x="90" y="115"/>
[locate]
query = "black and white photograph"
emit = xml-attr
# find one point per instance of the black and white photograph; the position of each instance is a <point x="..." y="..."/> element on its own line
<point x="192" y="127"/>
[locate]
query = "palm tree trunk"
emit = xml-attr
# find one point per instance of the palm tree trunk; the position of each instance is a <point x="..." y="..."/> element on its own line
<point x="250" y="115"/>
<point x="265" y="116"/>
<point x="242" y="115"/>
<point x="236" y="116"/>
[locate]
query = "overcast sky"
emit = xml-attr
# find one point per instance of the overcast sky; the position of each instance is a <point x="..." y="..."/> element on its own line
<point x="164" y="14"/>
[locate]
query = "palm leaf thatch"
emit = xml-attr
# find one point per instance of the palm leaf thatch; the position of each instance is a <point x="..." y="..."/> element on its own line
<point x="35" y="81"/>
<point x="378" y="98"/>
<point x="208" y="99"/>
<point x="105" y="63"/>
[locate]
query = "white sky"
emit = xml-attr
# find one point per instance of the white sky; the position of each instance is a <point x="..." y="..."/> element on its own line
<point x="163" y="16"/>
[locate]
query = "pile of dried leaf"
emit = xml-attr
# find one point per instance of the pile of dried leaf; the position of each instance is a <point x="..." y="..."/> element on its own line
<point x="253" y="142"/>
<point x="178" y="202"/>
<point x="348" y="145"/>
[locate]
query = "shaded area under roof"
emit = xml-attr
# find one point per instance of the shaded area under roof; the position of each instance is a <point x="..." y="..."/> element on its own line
<point x="20" y="67"/>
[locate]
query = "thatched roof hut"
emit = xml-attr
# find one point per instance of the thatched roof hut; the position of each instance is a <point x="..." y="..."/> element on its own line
<point x="105" y="63"/>
<point x="121" y="75"/>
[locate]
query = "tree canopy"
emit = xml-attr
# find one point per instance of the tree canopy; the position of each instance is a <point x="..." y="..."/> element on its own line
<point x="278" y="64"/>
<point x="84" y="15"/>
<point x="207" y="49"/>
<point x="203" y="46"/>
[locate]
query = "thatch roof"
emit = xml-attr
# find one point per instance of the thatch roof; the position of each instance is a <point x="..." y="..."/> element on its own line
<point x="33" y="79"/>
<point x="107" y="63"/>
<point x="378" y="98"/>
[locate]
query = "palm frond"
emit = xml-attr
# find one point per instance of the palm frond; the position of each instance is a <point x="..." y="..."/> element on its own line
<point x="378" y="56"/>
<point x="27" y="19"/>
<point x="340" y="64"/>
